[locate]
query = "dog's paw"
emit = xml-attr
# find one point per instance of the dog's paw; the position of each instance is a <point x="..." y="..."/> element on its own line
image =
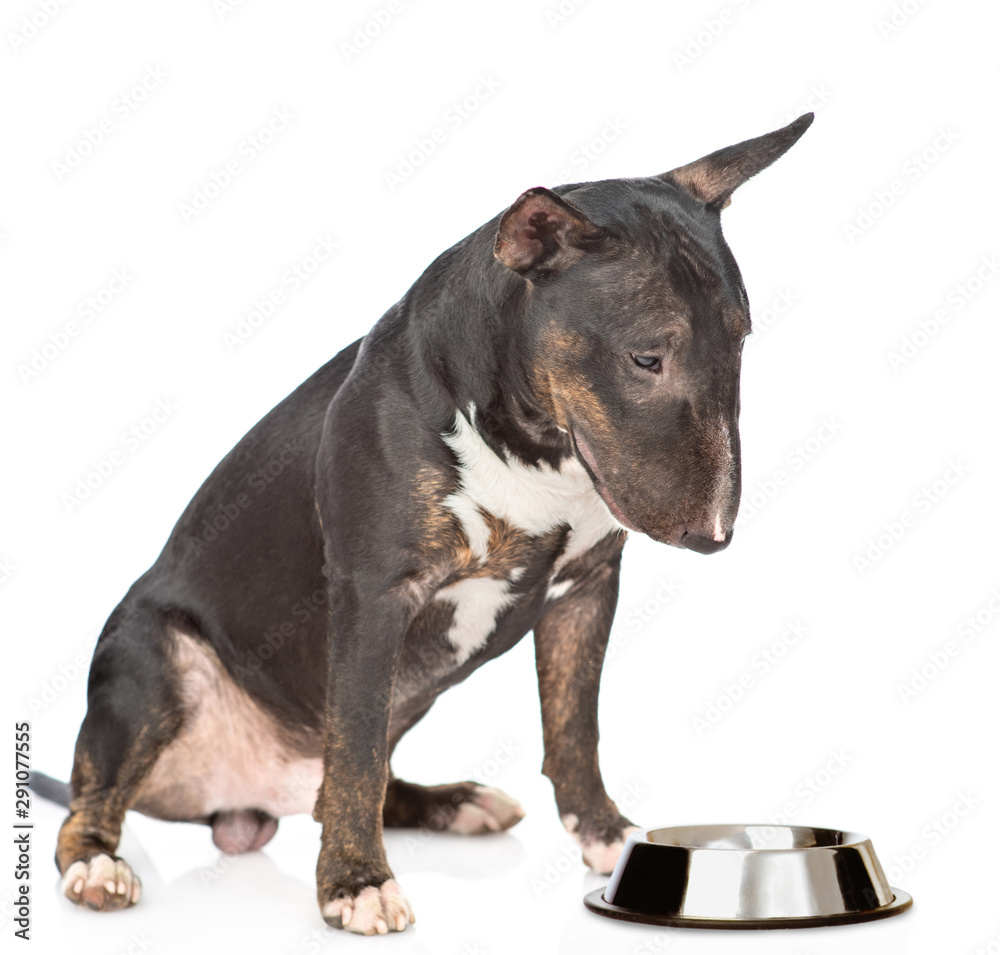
<point x="600" y="851"/>
<point x="485" y="810"/>
<point x="101" y="883"/>
<point x="374" y="910"/>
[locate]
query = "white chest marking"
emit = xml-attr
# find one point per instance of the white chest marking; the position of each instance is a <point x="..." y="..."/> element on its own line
<point x="533" y="500"/>
<point x="558" y="589"/>
<point x="478" y="602"/>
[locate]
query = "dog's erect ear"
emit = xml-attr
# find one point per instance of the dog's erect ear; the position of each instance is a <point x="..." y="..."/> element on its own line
<point x="542" y="231"/>
<point x="713" y="178"/>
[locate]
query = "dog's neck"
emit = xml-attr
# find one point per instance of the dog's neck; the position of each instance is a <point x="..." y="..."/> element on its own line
<point x="469" y="328"/>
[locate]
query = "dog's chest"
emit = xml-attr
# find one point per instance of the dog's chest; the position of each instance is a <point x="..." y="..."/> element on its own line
<point x="521" y="527"/>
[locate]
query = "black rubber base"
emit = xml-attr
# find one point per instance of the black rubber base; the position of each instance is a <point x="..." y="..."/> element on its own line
<point x="595" y="902"/>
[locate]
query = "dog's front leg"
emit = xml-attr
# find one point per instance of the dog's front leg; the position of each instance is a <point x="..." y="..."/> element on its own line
<point x="570" y="642"/>
<point x="371" y="605"/>
<point x="355" y="886"/>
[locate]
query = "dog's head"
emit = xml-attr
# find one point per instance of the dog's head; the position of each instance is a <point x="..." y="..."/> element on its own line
<point x="636" y="317"/>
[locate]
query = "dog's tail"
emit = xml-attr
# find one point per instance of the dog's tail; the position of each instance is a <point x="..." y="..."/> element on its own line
<point x="48" y="788"/>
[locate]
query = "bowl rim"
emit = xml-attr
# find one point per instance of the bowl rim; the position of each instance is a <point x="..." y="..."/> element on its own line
<point x="595" y="902"/>
<point x="851" y="838"/>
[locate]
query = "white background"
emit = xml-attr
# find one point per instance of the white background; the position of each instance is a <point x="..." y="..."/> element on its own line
<point x="609" y="89"/>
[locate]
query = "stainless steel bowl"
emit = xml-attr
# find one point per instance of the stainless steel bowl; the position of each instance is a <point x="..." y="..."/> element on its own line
<point x="748" y="876"/>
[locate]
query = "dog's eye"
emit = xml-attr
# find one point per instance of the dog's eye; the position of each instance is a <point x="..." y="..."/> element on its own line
<point x="649" y="362"/>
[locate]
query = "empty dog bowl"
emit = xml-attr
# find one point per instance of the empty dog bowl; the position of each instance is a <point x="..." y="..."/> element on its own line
<point x="756" y="876"/>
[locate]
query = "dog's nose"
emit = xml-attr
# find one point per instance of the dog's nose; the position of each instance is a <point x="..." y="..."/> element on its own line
<point x="703" y="543"/>
<point x="696" y="537"/>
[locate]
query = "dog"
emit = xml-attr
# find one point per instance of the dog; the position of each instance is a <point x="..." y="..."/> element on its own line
<point x="464" y="474"/>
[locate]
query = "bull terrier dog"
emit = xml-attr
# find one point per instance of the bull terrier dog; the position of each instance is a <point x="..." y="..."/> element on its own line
<point x="464" y="474"/>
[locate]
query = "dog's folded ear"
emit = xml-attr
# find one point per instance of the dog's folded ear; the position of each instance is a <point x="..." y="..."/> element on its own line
<point x="715" y="177"/>
<point x="541" y="231"/>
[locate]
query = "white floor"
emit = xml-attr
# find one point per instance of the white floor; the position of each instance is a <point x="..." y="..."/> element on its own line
<point x="472" y="896"/>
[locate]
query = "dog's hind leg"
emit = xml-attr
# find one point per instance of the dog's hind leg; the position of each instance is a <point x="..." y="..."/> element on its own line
<point x="466" y="808"/>
<point x="132" y="714"/>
